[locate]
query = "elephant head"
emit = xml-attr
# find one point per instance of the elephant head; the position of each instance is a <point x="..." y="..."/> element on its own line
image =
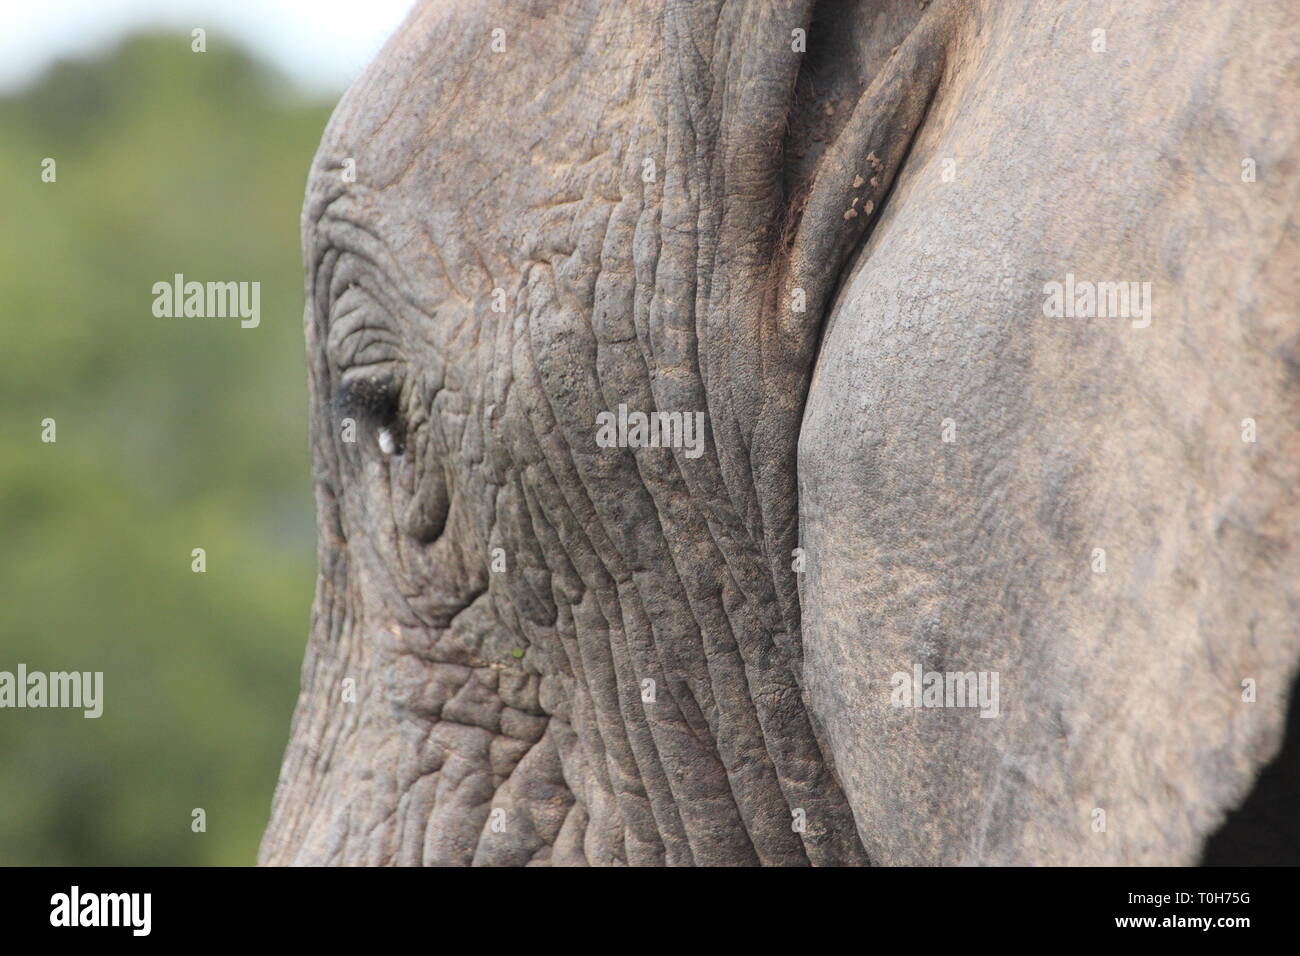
<point x="528" y="222"/>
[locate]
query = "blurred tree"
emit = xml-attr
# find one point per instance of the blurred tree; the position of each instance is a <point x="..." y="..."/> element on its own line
<point x="172" y="434"/>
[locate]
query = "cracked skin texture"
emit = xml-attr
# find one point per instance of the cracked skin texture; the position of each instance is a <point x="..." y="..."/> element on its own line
<point x="495" y="596"/>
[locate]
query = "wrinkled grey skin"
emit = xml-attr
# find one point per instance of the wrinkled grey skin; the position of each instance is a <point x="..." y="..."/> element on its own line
<point x="654" y="188"/>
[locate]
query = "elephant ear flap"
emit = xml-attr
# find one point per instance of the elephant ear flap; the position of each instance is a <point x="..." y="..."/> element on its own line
<point x="851" y="179"/>
<point x="832" y="201"/>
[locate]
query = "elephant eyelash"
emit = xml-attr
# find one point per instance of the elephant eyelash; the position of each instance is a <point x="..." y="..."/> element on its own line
<point x="375" y="400"/>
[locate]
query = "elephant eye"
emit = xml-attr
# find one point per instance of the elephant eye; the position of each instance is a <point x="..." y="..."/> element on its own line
<point x="375" y="400"/>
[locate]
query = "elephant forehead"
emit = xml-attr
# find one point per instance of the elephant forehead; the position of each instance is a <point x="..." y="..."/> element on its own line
<point x="456" y="121"/>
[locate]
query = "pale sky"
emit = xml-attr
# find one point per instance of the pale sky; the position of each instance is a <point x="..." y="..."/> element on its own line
<point x="322" y="44"/>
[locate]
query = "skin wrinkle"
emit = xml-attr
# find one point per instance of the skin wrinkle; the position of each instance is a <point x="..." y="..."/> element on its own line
<point x="646" y="759"/>
<point x="576" y="668"/>
<point x="582" y="662"/>
<point x="689" y="725"/>
<point x="693" y="354"/>
<point x="599" y="591"/>
<point x="680" y="576"/>
<point x="451" y="283"/>
<point x="712" y="270"/>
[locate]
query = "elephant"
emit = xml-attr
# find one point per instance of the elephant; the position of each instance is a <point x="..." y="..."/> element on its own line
<point x="985" y="550"/>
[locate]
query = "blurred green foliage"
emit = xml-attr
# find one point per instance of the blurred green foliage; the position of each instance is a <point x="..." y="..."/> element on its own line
<point x="173" y="434"/>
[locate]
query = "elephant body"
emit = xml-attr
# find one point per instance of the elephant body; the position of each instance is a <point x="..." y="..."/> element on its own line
<point x="832" y="228"/>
